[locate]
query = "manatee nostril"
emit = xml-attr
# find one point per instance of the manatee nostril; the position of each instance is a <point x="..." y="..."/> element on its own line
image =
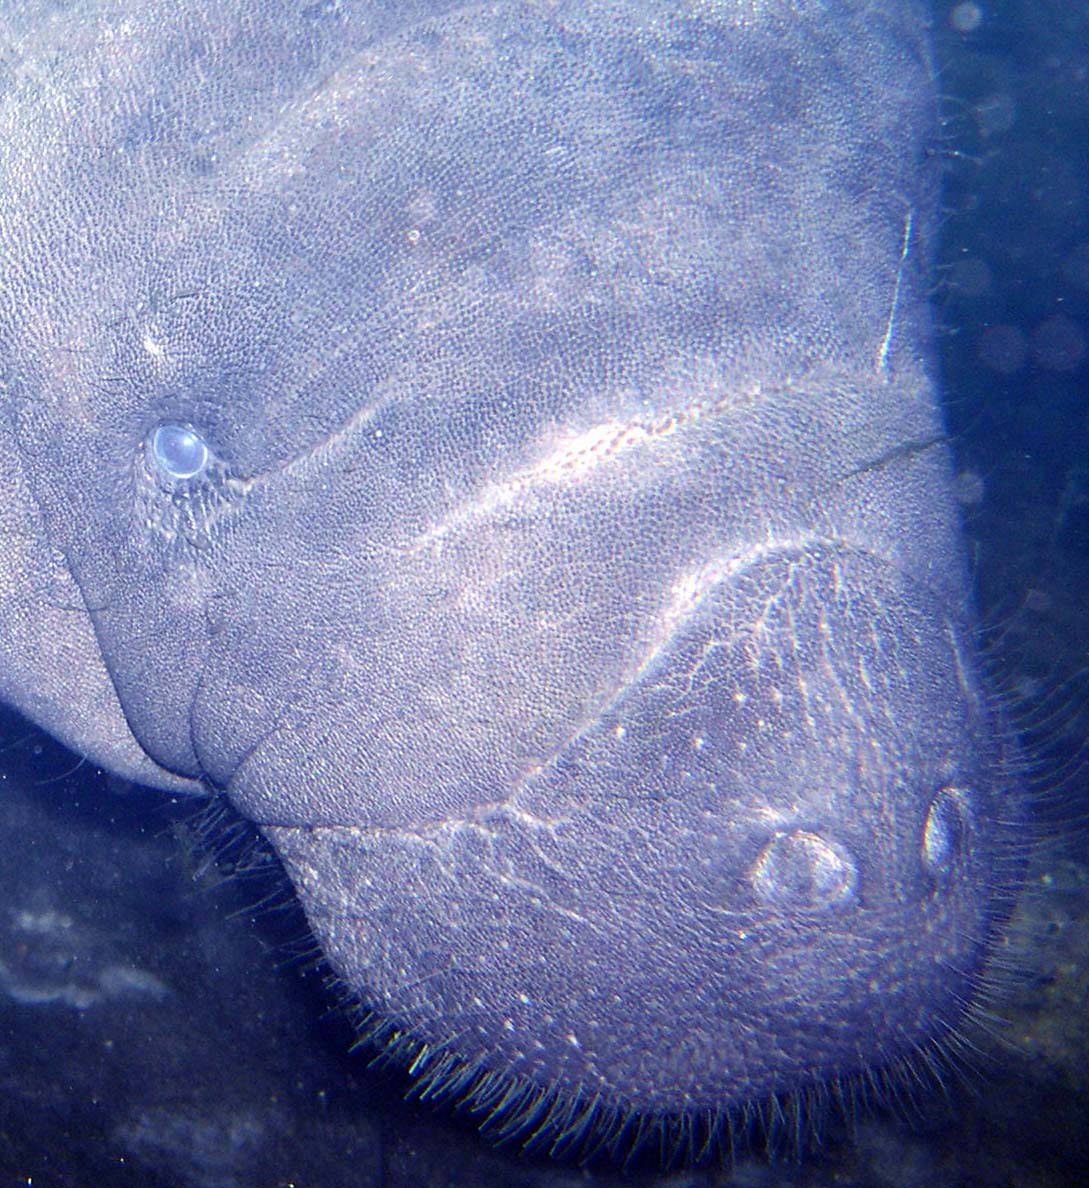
<point x="805" y="871"/>
<point x="179" y="453"/>
<point x="943" y="831"/>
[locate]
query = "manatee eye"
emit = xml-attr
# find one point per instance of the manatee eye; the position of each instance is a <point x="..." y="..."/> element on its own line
<point x="179" y="453"/>
<point x="183" y="490"/>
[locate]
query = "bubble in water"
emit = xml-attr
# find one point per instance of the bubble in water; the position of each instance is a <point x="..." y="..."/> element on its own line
<point x="1058" y="343"/>
<point x="969" y="488"/>
<point x="995" y="114"/>
<point x="966" y="18"/>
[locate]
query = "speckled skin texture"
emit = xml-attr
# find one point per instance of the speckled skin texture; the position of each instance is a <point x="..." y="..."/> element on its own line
<point x="573" y="594"/>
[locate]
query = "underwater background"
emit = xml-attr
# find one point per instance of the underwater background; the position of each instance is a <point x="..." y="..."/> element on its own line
<point x="162" y="1022"/>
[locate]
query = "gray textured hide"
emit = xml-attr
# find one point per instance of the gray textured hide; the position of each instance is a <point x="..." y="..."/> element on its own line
<point x="572" y="593"/>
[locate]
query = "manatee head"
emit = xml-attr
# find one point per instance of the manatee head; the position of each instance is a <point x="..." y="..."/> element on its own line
<point x="496" y="449"/>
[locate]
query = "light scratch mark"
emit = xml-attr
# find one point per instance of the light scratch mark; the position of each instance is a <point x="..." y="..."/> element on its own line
<point x="905" y="247"/>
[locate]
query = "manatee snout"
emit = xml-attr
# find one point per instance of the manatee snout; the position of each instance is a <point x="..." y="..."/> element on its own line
<point x="771" y="862"/>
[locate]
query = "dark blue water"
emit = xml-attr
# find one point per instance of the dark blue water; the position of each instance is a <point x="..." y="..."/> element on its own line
<point x="155" y="1028"/>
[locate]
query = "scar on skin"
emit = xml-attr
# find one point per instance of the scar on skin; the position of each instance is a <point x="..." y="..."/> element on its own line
<point x="570" y="458"/>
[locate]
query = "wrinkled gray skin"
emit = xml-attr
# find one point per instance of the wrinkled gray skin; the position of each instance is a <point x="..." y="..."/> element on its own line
<point x="573" y="594"/>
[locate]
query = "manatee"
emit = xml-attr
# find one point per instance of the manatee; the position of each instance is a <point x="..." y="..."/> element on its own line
<point x="497" y="449"/>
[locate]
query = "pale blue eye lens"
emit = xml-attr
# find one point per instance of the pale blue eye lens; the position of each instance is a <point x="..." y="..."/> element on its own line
<point x="179" y="452"/>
